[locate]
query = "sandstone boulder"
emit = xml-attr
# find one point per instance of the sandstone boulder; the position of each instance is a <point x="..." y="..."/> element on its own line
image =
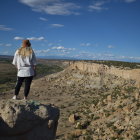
<point x="73" y="118"/>
<point x="27" y="120"/>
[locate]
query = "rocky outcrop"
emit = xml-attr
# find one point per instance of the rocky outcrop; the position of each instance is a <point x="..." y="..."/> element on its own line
<point x="94" y="103"/>
<point x="27" y="120"/>
<point x="133" y="74"/>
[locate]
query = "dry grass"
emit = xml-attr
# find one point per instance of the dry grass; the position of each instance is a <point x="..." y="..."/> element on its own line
<point x="7" y="76"/>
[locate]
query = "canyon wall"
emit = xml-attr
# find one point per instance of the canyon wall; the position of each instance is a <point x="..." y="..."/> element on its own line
<point x="133" y="74"/>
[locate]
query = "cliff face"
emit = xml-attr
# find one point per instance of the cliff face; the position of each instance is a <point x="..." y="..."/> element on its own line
<point x="26" y="120"/>
<point x="101" y="102"/>
<point x="133" y="74"/>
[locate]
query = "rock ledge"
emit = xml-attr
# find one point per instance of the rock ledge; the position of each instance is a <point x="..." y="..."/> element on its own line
<point x="26" y="120"/>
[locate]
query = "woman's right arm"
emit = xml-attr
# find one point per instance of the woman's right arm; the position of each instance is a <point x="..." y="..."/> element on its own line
<point x="15" y="59"/>
<point x="34" y="59"/>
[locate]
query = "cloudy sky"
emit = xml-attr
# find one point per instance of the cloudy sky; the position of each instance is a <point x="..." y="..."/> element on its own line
<point x="84" y="29"/>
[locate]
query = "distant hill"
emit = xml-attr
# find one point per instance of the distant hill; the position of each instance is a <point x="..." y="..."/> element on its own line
<point x="6" y="56"/>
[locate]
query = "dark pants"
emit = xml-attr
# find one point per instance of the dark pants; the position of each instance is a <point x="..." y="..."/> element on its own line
<point x="20" y="80"/>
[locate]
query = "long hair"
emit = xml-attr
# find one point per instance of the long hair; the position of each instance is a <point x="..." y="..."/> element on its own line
<point x="25" y="49"/>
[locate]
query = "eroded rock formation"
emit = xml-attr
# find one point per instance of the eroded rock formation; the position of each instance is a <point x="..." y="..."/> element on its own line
<point x="27" y="120"/>
<point x="133" y="74"/>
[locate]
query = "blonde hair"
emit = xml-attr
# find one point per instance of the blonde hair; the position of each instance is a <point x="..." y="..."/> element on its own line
<point x="25" y="49"/>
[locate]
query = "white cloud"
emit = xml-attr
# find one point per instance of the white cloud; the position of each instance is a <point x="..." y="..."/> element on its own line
<point x="110" y="46"/>
<point x="5" y="45"/>
<point x="30" y="38"/>
<point x="58" y="48"/>
<point x="41" y="51"/>
<point x="54" y="50"/>
<point x="36" y="39"/>
<point x="85" y="44"/>
<point x="62" y="51"/>
<point x="62" y="48"/>
<point x="18" y="38"/>
<point x="57" y="25"/>
<point x="4" y="28"/>
<point x="94" y="56"/>
<point x="89" y="44"/>
<point x="50" y="44"/>
<point x="71" y="49"/>
<point x="63" y="7"/>
<point x="97" y="6"/>
<point x="129" y="1"/>
<point x="104" y="56"/>
<point x="52" y="7"/>
<point x="43" y="19"/>
<point x="8" y="45"/>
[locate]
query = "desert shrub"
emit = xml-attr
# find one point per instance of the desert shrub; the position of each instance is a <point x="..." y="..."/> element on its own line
<point x="116" y="92"/>
<point x="136" y="137"/>
<point x="95" y="101"/>
<point x="130" y="89"/>
<point x="43" y="70"/>
<point x="110" y="124"/>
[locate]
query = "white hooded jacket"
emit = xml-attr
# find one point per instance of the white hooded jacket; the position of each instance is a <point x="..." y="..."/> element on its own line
<point x="25" y="65"/>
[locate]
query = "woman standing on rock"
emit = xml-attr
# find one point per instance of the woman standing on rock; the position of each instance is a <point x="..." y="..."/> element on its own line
<point x="25" y="61"/>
